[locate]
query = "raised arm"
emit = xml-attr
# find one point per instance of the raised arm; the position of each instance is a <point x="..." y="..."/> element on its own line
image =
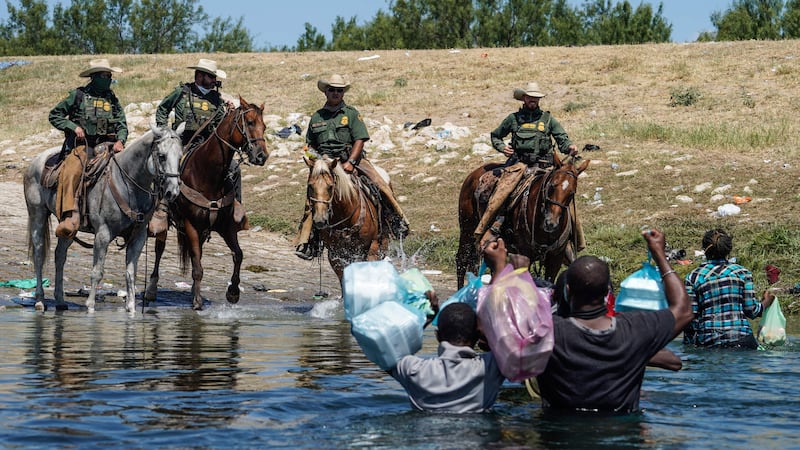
<point x="675" y="291"/>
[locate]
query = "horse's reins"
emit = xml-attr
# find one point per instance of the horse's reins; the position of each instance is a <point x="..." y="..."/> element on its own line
<point x="121" y="201"/>
<point x="542" y="199"/>
<point x="239" y="126"/>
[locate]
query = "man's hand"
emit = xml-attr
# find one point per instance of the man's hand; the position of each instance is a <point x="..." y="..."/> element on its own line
<point x="508" y="151"/>
<point x="118" y="146"/>
<point x="79" y="133"/>
<point x="573" y="150"/>
<point x="495" y="254"/>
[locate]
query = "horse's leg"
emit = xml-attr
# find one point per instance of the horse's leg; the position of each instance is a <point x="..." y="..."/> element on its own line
<point x="38" y="240"/>
<point x="232" y="239"/>
<point x="151" y="291"/>
<point x="60" y="260"/>
<point x="195" y="248"/>
<point x="132" y="253"/>
<point x="552" y="264"/>
<point x="101" y="240"/>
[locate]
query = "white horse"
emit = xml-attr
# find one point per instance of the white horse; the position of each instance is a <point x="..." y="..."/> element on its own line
<point x="119" y="204"/>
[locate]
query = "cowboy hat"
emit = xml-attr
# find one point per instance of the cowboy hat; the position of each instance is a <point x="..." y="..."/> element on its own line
<point x="99" y="65"/>
<point x="210" y="67"/>
<point x="336" y="81"/>
<point x="532" y="89"/>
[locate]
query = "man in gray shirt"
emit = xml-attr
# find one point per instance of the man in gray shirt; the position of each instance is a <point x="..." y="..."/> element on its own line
<point x="458" y="380"/>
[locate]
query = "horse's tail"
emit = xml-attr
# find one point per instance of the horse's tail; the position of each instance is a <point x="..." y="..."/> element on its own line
<point x="45" y="237"/>
<point x="183" y="249"/>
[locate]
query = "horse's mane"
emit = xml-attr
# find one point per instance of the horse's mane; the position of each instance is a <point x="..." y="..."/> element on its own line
<point x="344" y="189"/>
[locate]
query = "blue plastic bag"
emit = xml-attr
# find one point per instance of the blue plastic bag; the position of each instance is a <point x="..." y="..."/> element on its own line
<point x="467" y="294"/>
<point x="643" y="290"/>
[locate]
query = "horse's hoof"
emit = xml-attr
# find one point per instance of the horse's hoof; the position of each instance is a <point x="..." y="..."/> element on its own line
<point x="63" y="307"/>
<point x="232" y="295"/>
<point x="40" y="306"/>
<point x="197" y="306"/>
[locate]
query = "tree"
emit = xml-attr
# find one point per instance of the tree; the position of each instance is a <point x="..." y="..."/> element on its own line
<point x="165" y="26"/>
<point x="790" y="21"/>
<point x="749" y="19"/>
<point x="93" y="26"/>
<point x="347" y="35"/>
<point x="610" y="24"/>
<point x="225" y="36"/>
<point x="27" y="32"/>
<point x="311" y="40"/>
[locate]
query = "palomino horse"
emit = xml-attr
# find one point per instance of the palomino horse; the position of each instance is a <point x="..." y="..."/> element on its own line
<point x="347" y="221"/>
<point x="205" y="203"/>
<point x="538" y="225"/>
<point x="119" y="204"/>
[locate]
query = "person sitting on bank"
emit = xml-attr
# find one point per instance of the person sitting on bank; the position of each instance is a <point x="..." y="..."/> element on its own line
<point x="532" y="133"/>
<point x="200" y="106"/>
<point x="337" y="130"/>
<point x="88" y="116"/>
<point x="723" y="298"/>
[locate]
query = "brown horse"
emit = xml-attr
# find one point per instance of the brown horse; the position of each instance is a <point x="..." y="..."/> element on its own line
<point x="538" y="225"/>
<point x="347" y="221"/>
<point x="205" y="203"/>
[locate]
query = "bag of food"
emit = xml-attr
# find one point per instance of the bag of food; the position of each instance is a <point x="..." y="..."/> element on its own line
<point x="368" y="284"/>
<point x="517" y="323"/>
<point x="772" y="330"/>
<point x="388" y="332"/>
<point x="643" y="290"/>
<point x="467" y="294"/>
<point x="414" y="286"/>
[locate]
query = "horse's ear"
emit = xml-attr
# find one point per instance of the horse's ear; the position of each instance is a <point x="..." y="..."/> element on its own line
<point x="583" y="165"/>
<point x="180" y="128"/>
<point x="309" y="163"/>
<point x="157" y="131"/>
<point x="243" y="102"/>
<point x="557" y="161"/>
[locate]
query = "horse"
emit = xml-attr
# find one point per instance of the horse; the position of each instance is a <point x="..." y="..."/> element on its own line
<point x="119" y="205"/>
<point x="348" y="222"/>
<point x="205" y="202"/>
<point x="538" y="226"/>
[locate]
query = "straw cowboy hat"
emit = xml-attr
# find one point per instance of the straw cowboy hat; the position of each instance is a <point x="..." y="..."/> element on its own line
<point x="99" y="65"/>
<point x="532" y="89"/>
<point x="336" y="81"/>
<point x="210" y="67"/>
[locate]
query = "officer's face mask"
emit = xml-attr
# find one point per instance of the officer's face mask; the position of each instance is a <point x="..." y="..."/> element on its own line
<point x="203" y="90"/>
<point x="101" y="82"/>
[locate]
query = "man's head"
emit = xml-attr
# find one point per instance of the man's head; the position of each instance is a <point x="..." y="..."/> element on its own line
<point x="587" y="282"/>
<point x="717" y="244"/>
<point x="206" y="73"/>
<point x="100" y="71"/>
<point x="530" y="95"/>
<point x="458" y="325"/>
<point x="334" y="89"/>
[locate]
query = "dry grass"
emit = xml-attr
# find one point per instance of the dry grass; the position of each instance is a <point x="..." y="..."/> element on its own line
<point x="740" y="130"/>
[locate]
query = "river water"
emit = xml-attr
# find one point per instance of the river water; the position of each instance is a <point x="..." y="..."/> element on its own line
<point x="273" y="374"/>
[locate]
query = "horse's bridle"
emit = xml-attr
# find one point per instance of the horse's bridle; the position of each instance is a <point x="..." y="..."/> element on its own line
<point x="241" y="128"/>
<point x="547" y="199"/>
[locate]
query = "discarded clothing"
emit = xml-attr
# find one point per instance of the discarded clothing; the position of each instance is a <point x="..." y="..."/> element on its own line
<point x="24" y="284"/>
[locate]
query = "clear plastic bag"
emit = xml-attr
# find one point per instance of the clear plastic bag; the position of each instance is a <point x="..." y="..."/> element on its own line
<point x="517" y="323"/>
<point x="467" y="294"/>
<point x="643" y="290"/>
<point x="772" y="330"/>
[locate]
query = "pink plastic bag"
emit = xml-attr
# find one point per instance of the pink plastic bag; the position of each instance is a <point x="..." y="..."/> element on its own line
<point x="517" y="323"/>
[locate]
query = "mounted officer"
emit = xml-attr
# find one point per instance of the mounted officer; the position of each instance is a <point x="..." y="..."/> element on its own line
<point x="532" y="133"/>
<point x="200" y="105"/>
<point x="89" y="116"/>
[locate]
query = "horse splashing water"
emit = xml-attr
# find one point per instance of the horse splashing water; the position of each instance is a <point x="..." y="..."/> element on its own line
<point x="347" y="220"/>
<point x="538" y="223"/>
<point x="205" y="203"/>
<point x="119" y="204"/>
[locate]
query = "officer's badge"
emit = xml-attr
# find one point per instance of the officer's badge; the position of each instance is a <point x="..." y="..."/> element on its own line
<point x="541" y="126"/>
<point x="204" y="106"/>
<point x="344" y="121"/>
<point x="106" y="106"/>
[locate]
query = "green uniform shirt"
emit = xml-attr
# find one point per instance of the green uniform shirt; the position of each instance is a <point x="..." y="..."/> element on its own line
<point x="524" y="119"/>
<point x="99" y="114"/>
<point x="334" y="132"/>
<point x="193" y="107"/>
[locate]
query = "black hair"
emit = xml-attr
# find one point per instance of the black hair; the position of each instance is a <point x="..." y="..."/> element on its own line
<point x="458" y="324"/>
<point x="717" y="244"/>
<point x="588" y="278"/>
